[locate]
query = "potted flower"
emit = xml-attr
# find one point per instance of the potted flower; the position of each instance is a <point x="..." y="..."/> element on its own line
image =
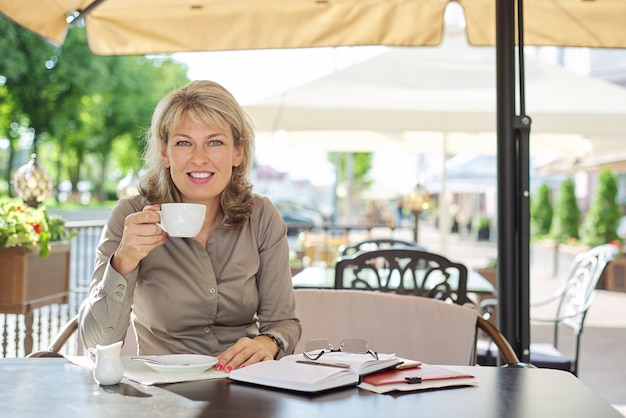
<point x="35" y="257"/>
<point x="483" y="228"/>
<point x="25" y="226"/>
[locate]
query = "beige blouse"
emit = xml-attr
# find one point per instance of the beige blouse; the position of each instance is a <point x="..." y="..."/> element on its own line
<point x="184" y="298"/>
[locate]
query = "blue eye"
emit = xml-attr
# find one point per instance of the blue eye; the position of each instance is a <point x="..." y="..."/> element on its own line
<point x="183" y="143"/>
<point x="215" y="142"/>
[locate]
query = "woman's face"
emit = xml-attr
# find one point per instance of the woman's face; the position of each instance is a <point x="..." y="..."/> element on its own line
<point x="201" y="160"/>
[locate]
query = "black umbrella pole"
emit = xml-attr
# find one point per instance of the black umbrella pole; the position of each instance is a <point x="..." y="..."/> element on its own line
<point x="511" y="255"/>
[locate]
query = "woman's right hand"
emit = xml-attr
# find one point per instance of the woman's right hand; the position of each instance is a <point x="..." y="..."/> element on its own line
<point x="141" y="235"/>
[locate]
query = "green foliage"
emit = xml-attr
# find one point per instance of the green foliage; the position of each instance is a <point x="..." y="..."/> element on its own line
<point x="567" y="213"/>
<point x="358" y="166"/>
<point x="542" y="211"/>
<point x="25" y="226"/>
<point x="79" y="104"/>
<point x="492" y="264"/>
<point x="482" y="222"/>
<point x="604" y="213"/>
<point x="352" y="168"/>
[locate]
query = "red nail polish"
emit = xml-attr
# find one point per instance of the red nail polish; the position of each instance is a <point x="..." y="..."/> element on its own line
<point x="219" y="367"/>
<point x="229" y="369"/>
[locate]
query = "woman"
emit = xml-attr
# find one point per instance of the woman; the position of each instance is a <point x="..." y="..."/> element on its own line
<point x="227" y="292"/>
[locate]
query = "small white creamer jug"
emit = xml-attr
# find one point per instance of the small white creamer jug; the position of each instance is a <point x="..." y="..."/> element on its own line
<point x="107" y="361"/>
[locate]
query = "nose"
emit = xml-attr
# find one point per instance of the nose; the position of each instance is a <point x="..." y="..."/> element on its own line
<point x="200" y="155"/>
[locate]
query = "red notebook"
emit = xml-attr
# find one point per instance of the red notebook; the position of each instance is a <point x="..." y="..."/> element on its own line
<point x="415" y="375"/>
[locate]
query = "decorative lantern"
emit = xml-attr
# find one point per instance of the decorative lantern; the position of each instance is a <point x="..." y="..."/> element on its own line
<point x="32" y="183"/>
<point x="416" y="202"/>
<point x="128" y="186"/>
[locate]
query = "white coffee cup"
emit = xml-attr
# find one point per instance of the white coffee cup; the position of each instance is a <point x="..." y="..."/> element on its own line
<point x="182" y="219"/>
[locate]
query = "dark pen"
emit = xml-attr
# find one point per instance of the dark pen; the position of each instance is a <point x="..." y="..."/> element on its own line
<point x="319" y="363"/>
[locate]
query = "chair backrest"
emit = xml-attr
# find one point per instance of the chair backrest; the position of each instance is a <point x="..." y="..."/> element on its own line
<point x="373" y="244"/>
<point x="404" y="271"/>
<point x="67" y="342"/>
<point x="416" y="328"/>
<point x="576" y="294"/>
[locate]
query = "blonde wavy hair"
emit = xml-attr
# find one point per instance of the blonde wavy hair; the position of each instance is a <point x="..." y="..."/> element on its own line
<point x="210" y="103"/>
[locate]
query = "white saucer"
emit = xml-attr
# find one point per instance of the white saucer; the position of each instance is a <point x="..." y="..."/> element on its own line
<point x="179" y="364"/>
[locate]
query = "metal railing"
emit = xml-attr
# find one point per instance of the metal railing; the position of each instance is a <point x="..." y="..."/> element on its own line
<point x="48" y="320"/>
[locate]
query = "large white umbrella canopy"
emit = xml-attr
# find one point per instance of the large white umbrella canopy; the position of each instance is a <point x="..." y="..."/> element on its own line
<point x="443" y="98"/>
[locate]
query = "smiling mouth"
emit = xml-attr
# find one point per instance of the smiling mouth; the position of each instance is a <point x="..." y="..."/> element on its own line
<point x="200" y="175"/>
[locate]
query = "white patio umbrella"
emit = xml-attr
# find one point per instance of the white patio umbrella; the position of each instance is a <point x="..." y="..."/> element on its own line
<point x="440" y="99"/>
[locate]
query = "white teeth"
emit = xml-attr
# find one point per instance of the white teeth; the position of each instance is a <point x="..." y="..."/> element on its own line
<point x="200" y="175"/>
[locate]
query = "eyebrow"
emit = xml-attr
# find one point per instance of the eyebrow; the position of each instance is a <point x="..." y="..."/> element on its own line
<point x="210" y="136"/>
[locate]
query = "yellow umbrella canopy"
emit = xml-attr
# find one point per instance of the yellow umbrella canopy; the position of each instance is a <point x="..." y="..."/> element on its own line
<point x="122" y="27"/>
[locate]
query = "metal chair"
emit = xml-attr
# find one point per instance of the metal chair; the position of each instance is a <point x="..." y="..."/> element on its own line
<point x="373" y="244"/>
<point x="404" y="271"/>
<point x="572" y="300"/>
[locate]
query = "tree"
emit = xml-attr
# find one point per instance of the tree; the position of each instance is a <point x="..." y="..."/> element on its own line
<point x="542" y="211"/>
<point x="26" y="59"/>
<point x="352" y="168"/>
<point x="604" y="213"/>
<point x="79" y="104"/>
<point x="351" y="171"/>
<point x="567" y="213"/>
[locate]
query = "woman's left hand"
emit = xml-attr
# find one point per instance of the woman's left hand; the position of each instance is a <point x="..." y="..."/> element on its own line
<point x="247" y="351"/>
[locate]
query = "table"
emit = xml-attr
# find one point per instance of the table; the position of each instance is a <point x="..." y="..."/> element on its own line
<point x="38" y="387"/>
<point x="324" y="278"/>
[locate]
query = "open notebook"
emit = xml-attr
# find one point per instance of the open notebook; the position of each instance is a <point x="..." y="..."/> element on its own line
<point x="332" y="370"/>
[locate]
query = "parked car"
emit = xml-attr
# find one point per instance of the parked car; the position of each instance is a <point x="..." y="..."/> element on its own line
<point x="298" y="216"/>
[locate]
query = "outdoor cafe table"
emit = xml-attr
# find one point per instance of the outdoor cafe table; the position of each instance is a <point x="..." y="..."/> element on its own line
<point x="324" y="278"/>
<point x="54" y="387"/>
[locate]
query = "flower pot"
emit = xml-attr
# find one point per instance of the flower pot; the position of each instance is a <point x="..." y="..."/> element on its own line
<point x="484" y="234"/>
<point x="614" y="276"/>
<point x="28" y="281"/>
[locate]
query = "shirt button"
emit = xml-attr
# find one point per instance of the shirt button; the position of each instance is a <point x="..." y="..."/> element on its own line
<point x="118" y="295"/>
<point x="207" y="330"/>
<point x="212" y="290"/>
<point x="109" y="329"/>
<point x="121" y="287"/>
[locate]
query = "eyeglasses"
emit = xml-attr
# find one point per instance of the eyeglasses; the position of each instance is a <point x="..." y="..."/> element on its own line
<point x="314" y="349"/>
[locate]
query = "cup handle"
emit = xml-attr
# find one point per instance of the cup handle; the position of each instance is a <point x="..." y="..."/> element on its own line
<point x="159" y="224"/>
<point x="92" y="355"/>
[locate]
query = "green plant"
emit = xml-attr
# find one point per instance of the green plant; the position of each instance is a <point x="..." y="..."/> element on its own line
<point x="566" y="213"/>
<point x="25" y="226"/>
<point x="482" y="222"/>
<point x="492" y="264"/>
<point x="542" y="211"/>
<point x="604" y="213"/>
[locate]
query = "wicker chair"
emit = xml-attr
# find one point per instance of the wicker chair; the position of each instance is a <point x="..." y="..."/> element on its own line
<point x="69" y="331"/>
<point x="412" y="327"/>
